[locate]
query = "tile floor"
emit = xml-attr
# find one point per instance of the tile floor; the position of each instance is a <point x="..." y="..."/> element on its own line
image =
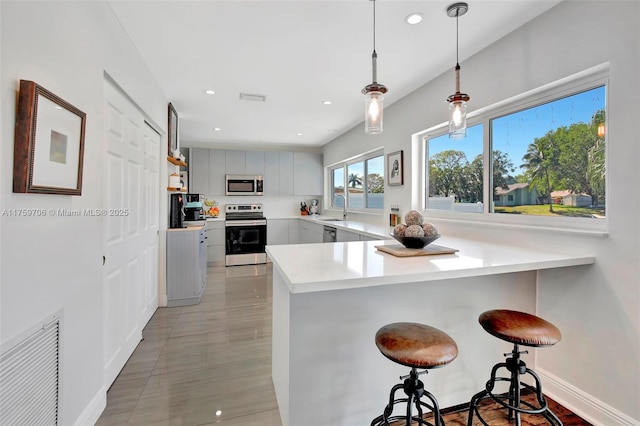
<point x="203" y="364"/>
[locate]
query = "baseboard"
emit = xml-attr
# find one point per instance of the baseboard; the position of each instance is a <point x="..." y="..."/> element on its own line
<point x="92" y="412"/>
<point x="583" y="404"/>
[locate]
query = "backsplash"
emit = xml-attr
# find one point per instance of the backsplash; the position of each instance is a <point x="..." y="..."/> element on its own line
<point x="272" y="206"/>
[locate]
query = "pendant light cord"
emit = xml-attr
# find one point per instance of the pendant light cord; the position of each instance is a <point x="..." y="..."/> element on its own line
<point x="374" y="25"/>
<point x="457" y="38"/>
<point x="374" y="55"/>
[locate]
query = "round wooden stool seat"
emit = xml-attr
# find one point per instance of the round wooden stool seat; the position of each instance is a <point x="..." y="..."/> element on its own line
<point x="416" y="345"/>
<point x="520" y="328"/>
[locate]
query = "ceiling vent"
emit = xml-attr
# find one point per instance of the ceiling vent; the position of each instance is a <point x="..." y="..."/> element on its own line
<point x="253" y="97"/>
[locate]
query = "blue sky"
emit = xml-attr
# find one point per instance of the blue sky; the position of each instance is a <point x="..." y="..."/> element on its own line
<point x="513" y="133"/>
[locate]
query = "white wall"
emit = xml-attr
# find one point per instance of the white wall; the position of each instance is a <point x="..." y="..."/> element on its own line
<point x="51" y="263"/>
<point x="596" y="368"/>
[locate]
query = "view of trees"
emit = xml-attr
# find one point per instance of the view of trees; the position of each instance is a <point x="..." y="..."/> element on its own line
<point x="567" y="158"/>
<point x="375" y="183"/>
<point x="450" y="173"/>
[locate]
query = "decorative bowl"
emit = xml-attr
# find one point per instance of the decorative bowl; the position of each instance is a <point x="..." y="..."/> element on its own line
<point x="415" y="242"/>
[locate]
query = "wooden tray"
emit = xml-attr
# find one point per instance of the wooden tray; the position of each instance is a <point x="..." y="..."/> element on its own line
<point x="401" y="251"/>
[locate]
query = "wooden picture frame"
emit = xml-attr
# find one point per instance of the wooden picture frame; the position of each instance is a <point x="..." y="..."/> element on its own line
<point x="49" y="143"/>
<point x="395" y="168"/>
<point x="173" y="130"/>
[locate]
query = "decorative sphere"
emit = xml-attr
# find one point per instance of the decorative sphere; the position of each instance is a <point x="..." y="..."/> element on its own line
<point x="414" y="231"/>
<point x="429" y="229"/>
<point x="399" y="229"/>
<point x="413" y="217"/>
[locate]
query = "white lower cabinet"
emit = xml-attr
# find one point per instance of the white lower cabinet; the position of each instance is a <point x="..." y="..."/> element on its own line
<point x="294" y="231"/>
<point x="277" y="232"/>
<point x="343" y="236"/>
<point x="186" y="265"/>
<point x="310" y="232"/>
<point x="215" y="242"/>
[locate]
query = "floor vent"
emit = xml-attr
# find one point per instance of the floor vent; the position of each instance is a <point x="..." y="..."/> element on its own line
<point x="29" y="374"/>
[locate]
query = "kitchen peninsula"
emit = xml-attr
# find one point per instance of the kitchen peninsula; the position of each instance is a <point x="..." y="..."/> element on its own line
<point x="330" y="299"/>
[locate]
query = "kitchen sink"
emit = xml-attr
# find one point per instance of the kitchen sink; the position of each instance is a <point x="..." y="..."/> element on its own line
<point x="330" y="219"/>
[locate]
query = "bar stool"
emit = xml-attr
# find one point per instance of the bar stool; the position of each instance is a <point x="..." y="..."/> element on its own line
<point x="524" y="329"/>
<point x="415" y="346"/>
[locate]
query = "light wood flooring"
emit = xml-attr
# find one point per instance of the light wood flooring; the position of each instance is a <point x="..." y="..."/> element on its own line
<point x="203" y="364"/>
<point x="211" y="363"/>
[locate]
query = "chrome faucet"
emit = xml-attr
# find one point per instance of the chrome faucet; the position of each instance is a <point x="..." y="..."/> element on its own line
<point x="344" y="206"/>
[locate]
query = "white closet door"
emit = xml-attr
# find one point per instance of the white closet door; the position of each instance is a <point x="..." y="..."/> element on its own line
<point x="131" y="201"/>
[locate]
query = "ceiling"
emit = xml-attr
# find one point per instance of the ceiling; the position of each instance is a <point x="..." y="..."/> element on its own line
<point x="300" y="53"/>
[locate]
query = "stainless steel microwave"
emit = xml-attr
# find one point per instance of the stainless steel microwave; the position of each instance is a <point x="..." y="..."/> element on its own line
<point x="244" y="185"/>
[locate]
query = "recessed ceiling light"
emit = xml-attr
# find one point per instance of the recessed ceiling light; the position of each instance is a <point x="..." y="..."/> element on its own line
<point x="414" y="18"/>
<point x="217" y="129"/>
<point x="299" y="134"/>
<point x="327" y="102"/>
<point x="210" y="92"/>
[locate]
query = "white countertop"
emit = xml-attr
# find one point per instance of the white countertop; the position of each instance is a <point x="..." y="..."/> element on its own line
<point x="333" y="266"/>
<point x="375" y="231"/>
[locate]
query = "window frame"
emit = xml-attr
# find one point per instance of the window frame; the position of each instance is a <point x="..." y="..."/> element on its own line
<point x="586" y="80"/>
<point x="344" y="165"/>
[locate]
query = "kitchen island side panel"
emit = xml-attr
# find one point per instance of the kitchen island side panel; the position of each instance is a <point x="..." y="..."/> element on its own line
<point x="280" y="345"/>
<point x="336" y="374"/>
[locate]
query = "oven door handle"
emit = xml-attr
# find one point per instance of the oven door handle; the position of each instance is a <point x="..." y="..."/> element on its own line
<point x="229" y="223"/>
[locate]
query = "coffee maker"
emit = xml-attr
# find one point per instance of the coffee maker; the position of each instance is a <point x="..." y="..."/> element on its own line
<point x="194" y="210"/>
<point x="176" y="211"/>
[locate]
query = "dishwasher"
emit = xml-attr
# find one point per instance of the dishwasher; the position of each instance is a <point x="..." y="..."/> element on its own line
<point x="329" y="235"/>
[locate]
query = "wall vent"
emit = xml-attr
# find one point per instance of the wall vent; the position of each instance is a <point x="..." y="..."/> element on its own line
<point x="29" y="378"/>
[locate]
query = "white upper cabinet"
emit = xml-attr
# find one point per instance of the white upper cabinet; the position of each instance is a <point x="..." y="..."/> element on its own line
<point x="254" y="162"/>
<point x="271" y="173"/>
<point x="217" y="170"/>
<point x="199" y="177"/>
<point x="307" y="174"/>
<point x="286" y="173"/>
<point x="236" y="163"/>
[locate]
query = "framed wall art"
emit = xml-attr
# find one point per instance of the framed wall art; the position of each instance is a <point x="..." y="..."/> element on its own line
<point x="173" y="130"/>
<point x="49" y="143"/>
<point x="395" y="168"/>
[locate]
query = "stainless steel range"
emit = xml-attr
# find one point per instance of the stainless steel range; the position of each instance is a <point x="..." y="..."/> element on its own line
<point x="246" y="234"/>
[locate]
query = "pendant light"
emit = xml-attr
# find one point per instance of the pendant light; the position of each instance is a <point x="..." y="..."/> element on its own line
<point x="374" y="92"/>
<point x="457" y="101"/>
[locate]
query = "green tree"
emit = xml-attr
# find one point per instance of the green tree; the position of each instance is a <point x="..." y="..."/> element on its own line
<point x="574" y="143"/>
<point x="446" y="173"/>
<point x="375" y="183"/>
<point x="502" y="169"/>
<point x="596" y="164"/>
<point x="354" y="180"/>
<point x="471" y="191"/>
<point x="539" y="163"/>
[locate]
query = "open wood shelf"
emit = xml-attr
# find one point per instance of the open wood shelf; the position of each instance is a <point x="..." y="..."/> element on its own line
<point x="170" y="188"/>
<point x="176" y="162"/>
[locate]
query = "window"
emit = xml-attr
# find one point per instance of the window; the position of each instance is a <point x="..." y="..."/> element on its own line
<point x="552" y="158"/>
<point x="544" y="155"/>
<point x="456" y="172"/>
<point x="359" y="182"/>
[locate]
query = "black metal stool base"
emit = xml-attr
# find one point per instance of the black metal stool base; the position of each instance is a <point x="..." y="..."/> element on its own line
<point x="511" y="400"/>
<point x="414" y="389"/>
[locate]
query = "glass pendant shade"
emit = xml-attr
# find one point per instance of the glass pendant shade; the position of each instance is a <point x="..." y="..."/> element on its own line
<point x="457" y="119"/>
<point x="373" y="110"/>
